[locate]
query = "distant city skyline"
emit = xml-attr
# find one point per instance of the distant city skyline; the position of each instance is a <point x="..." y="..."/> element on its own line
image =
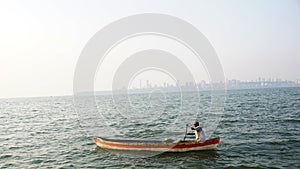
<point x="260" y="80"/>
<point x="232" y="84"/>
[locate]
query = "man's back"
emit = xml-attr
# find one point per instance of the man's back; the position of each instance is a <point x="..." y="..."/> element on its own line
<point x="199" y="133"/>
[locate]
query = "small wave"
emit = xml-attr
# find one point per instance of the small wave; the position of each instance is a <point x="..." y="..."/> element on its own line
<point x="5" y="156"/>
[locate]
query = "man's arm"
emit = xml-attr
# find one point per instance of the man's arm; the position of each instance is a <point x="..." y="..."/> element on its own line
<point x="197" y="128"/>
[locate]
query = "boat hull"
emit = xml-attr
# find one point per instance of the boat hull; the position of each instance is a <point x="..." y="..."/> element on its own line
<point x="158" y="146"/>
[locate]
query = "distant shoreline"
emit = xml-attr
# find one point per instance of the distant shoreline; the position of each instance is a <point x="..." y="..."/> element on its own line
<point x="99" y="93"/>
<point x="103" y="93"/>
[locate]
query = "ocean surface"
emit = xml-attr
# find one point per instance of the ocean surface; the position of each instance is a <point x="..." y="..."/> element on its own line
<point x="259" y="128"/>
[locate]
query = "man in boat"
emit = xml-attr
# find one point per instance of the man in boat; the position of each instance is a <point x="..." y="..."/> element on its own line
<point x="199" y="133"/>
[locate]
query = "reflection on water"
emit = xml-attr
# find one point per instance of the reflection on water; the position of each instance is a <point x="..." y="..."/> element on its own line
<point x="129" y="153"/>
<point x="199" y="155"/>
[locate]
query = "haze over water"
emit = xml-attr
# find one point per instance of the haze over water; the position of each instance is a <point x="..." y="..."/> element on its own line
<point x="259" y="129"/>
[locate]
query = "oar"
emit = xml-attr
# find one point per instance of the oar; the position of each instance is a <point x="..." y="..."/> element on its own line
<point x="185" y="132"/>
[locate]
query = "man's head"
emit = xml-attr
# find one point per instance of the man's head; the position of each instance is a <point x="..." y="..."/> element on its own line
<point x="196" y="123"/>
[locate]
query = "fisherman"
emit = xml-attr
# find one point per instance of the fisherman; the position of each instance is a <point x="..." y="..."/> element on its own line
<point x="199" y="133"/>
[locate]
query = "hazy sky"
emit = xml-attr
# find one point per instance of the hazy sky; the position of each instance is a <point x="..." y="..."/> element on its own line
<point x="40" y="41"/>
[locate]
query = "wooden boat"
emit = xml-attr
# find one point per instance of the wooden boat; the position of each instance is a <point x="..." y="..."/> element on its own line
<point x="158" y="146"/>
